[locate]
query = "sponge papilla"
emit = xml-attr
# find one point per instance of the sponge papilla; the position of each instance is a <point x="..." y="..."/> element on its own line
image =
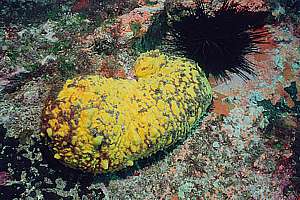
<point x="100" y="124"/>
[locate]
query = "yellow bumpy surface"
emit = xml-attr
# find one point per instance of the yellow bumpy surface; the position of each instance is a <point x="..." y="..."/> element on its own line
<point x="103" y="124"/>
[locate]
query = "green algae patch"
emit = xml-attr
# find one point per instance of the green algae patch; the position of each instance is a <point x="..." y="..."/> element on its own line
<point x="102" y="124"/>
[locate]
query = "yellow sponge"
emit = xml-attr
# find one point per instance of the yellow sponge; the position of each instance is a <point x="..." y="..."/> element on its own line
<point x="102" y="124"/>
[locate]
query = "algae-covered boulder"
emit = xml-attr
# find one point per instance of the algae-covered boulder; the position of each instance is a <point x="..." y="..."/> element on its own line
<point x="100" y="124"/>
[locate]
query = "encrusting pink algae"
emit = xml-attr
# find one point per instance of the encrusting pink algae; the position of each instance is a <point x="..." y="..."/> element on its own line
<point x="100" y="124"/>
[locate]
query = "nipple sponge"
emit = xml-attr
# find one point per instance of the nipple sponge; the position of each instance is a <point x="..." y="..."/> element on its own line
<point x="100" y="124"/>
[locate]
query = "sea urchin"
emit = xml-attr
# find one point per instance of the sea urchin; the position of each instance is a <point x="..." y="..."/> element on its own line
<point x="217" y="40"/>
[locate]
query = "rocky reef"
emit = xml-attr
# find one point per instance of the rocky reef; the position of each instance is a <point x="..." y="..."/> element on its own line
<point x="246" y="146"/>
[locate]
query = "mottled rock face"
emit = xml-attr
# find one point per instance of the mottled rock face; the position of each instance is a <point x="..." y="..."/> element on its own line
<point x="103" y="124"/>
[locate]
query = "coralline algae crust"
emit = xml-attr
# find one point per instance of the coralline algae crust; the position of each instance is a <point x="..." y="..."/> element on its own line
<point x="102" y="124"/>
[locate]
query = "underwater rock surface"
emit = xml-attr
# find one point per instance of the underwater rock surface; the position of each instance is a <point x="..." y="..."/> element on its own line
<point x="245" y="147"/>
